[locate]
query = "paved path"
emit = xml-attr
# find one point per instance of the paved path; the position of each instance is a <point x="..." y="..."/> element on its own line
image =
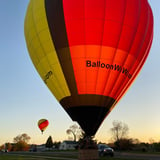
<point x="67" y="155"/>
<point x="46" y="155"/>
<point x="137" y="156"/>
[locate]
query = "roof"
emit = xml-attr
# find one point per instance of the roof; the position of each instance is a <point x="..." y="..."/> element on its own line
<point x="70" y="142"/>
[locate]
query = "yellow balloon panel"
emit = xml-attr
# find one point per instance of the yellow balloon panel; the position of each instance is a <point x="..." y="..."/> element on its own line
<point x="42" y="51"/>
<point x="53" y="78"/>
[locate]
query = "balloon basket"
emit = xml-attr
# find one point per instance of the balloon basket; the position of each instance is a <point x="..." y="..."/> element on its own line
<point x="88" y="149"/>
<point x="88" y="154"/>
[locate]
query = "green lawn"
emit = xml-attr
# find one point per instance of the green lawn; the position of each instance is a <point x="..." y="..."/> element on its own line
<point x="13" y="157"/>
<point x="30" y="157"/>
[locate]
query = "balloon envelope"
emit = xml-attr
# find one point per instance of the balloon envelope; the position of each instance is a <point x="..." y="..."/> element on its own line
<point x="88" y="52"/>
<point x="43" y="124"/>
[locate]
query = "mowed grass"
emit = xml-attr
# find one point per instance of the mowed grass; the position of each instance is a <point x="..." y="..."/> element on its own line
<point x="30" y="157"/>
<point x="19" y="157"/>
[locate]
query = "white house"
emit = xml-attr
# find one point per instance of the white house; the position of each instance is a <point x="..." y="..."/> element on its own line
<point x="68" y="145"/>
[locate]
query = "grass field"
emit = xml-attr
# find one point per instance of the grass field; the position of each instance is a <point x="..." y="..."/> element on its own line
<point x="45" y="157"/>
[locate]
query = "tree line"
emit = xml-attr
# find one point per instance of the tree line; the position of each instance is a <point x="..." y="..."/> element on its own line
<point x="21" y="143"/>
<point x="119" y="135"/>
<point x="119" y="138"/>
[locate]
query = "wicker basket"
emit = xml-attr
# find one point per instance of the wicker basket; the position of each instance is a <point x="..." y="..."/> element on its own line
<point x="88" y="154"/>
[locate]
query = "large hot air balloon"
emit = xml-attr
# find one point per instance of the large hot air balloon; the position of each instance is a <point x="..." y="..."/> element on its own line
<point x="43" y="124"/>
<point x="88" y="52"/>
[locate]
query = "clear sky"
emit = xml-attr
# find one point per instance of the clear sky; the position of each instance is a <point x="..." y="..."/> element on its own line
<point x="24" y="98"/>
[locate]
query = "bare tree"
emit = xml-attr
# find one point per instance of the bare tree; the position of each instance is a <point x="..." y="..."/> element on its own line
<point x="119" y="130"/>
<point x="75" y="130"/>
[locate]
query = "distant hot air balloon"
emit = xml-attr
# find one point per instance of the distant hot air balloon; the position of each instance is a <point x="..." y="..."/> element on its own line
<point x="88" y="52"/>
<point x="43" y="124"/>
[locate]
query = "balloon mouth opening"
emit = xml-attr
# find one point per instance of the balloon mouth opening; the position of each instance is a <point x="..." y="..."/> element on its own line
<point x="88" y="110"/>
<point x="88" y="117"/>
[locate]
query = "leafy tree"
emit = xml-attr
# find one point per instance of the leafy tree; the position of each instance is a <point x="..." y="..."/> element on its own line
<point x="21" y="142"/>
<point x="22" y="137"/>
<point x="2" y="147"/>
<point x="21" y="146"/>
<point x="126" y="144"/>
<point x="49" y="143"/>
<point x="8" y="146"/>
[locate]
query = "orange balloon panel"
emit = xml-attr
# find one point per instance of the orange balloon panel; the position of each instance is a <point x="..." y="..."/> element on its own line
<point x="88" y="52"/>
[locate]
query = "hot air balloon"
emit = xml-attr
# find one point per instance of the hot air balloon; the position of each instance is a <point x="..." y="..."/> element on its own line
<point x="43" y="124"/>
<point x="88" y="52"/>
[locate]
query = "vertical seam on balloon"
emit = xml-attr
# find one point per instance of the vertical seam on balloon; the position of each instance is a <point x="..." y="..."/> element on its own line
<point x="100" y="54"/>
<point x="125" y="4"/>
<point x="61" y="91"/>
<point x="61" y="45"/>
<point x="140" y="64"/>
<point x="130" y="47"/>
<point x="85" y="43"/>
<point x="72" y="87"/>
<point x="61" y="88"/>
<point x="148" y="22"/>
<point x="42" y="45"/>
<point x="102" y="36"/>
<point x="34" y="25"/>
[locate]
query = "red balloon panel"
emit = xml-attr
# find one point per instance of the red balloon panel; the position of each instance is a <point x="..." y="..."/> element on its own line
<point x="43" y="125"/>
<point x="104" y="39"/>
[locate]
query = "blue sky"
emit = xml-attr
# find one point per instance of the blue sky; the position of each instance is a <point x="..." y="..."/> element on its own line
<point x="24" y="98"/>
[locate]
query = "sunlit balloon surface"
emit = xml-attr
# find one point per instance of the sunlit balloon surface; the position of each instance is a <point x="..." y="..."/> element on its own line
<point x="88" y="52"/>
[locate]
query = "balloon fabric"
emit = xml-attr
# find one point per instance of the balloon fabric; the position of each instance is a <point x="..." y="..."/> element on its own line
<point x="88" y="52"/>
<point x="43" y="124"/>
